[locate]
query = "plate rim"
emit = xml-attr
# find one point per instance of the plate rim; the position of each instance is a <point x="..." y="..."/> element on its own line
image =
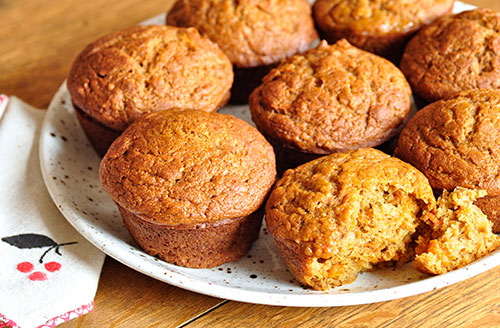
<point x="144" y="265"/>
<point x="179" y="279"/>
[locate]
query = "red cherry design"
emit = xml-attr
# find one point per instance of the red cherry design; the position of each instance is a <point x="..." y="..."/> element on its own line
<point x="25" y="267"/>
<point x="52" y="266"/>
<point x="37" y="276"/>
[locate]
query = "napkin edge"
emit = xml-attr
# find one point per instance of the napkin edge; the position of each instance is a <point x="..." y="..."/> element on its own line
<point x="84" y="309"/>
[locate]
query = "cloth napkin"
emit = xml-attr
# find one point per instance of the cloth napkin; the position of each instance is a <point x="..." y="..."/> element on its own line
<point x="49" y="273"/>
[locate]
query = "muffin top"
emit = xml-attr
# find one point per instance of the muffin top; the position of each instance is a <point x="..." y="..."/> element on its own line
<point x="379" y="17"/>
<point x="251" y="32"/>
<point x="456" y="142"/>
<point x="180" y="167"/>
<point x="454" y="54"/>
<point x="331" y="98"/>
<point x="123" y="75"/>
<point x="316" y="205"/>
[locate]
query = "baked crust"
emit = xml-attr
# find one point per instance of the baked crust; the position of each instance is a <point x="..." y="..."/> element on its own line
<point x="204" y="245"/>
<point x="189" y="184"/>
<point x="99" y="136"/>
<point x="379" y="26"/>
<point x="456" y="142"/>
<point x="124" y="75"/>
<point x="189" y="167"/>
<point x="344" y="213"/>
<point x="331" y="98"/>
<point x="489" y="205"/>
<point x="251" y="33"/>
<point x="455" y="54"/>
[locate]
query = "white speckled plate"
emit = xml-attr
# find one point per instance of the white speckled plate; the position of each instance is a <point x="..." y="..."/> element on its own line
<point x="70" y="170"/>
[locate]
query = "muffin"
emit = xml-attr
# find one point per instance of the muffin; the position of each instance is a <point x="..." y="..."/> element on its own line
<point x="255" y="35"/>
<point x="124" y="75"/>
<point x="460" y="233"/>
<point x="344" y="213"/>
<point x="454" y="54"/>
<point x="190" y="185"/>
<point x="379" y="26"/>
<point x="456" y="142"/>
<point x="331" y="98"/>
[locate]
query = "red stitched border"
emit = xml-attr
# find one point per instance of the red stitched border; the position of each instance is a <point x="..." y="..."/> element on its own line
<point x="5" y="322"/>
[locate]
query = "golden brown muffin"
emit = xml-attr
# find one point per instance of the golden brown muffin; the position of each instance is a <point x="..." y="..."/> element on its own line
<point x="344" y="213"/>
<point x="331" y="98"/>
<point x="123" y="75"/>
<point x="189" y="183"/>
<point x="455" y="54"/>
<point x="456" y="142"/>
<point x="460" y="233"/>
<point x="379" y="26"/>
<point x="253" y="33"/>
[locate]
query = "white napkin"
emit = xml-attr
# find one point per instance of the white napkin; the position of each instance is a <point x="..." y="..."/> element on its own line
<point x="48" y="272"/>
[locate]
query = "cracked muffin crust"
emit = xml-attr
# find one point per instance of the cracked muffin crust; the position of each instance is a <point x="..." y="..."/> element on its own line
<point x="254" y="34"/>
<point x="251" y="33"/>
<point x="454" y="54"/>
<point x="123" y="75"/>
<point x="379" y="26"/>
<point x="344" y="213"/>
<point x="456" y="142"/>
<point x="190" y="182"/>
<point x="331" y="98"/>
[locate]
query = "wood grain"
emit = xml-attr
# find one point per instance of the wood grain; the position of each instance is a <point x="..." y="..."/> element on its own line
<point x="472" y="303"/>
<point x="38" y="41"/>
<point x="126" y="296"/>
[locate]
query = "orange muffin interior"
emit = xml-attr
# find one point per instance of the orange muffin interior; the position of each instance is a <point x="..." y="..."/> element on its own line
<point x="459" y="233"/>
<point x="344" y="213"/>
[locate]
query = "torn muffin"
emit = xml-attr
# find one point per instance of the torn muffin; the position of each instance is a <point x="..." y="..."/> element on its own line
<point x="458" y="233"/>
<point x="456" y="142"/>
<point x="342" y="214"/>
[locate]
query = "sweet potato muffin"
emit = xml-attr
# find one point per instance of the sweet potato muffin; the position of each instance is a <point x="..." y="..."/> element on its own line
<point x="459" y="233"/>
<point x="344" y="213"/>
<point x="189" y="185"/>
<point x="379" y="26"/>
<point x="123" y="75"/>
<point x="456" y="142"/>
<point x="254" y="34"/>
<point x="331" y="98"/>
<point x="455" y="54"/>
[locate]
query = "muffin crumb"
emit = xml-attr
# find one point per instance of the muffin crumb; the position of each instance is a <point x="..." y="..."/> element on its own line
<point x="459" y="233"/>
<point x="345" y="213"/>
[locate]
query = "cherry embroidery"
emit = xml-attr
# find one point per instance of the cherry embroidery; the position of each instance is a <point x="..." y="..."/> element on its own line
<point x="31" y="240"/>
<point x="52" y="266"/>
<point x="25" y="267"/>
<point x="37" y="276"/>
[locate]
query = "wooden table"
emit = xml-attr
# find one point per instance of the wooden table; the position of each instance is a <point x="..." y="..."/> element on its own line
<point x="38" y="41"/>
